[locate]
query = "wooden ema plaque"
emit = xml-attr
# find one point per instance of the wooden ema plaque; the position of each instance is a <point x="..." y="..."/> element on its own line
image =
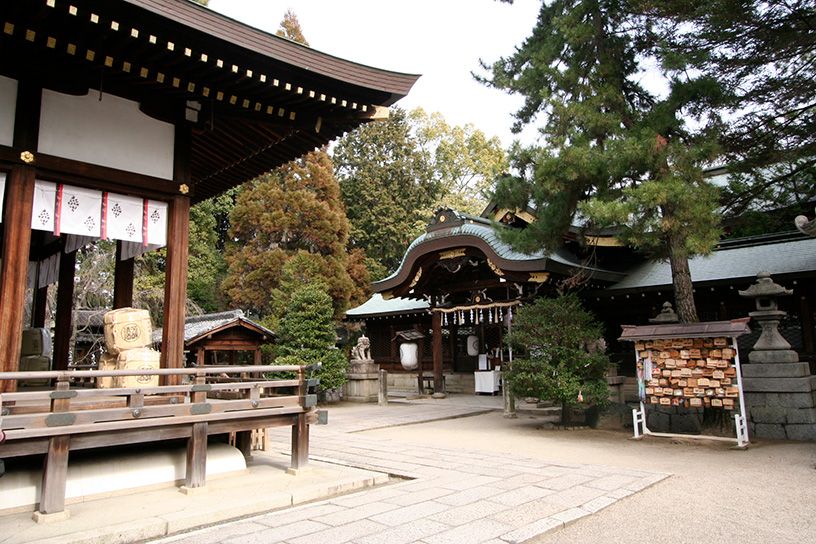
<point x="689" y="372"/>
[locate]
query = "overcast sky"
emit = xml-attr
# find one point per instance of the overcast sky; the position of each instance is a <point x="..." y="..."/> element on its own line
<point x="441" y="39"/>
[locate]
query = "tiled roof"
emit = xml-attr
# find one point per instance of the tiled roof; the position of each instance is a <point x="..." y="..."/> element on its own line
<point x="787" y="257"/>
<point x="199" y="325"/>
<point x="729" y="329"/>
<point x="484" y="230"/>
<point x="376" y="305"/>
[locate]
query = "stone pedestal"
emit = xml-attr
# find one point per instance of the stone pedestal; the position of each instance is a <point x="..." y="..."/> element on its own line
<point x="780" y="392"/>
<point x="363" y="381"/>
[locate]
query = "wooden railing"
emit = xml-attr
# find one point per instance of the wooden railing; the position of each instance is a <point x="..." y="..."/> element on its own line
<point x="62" y="419"/>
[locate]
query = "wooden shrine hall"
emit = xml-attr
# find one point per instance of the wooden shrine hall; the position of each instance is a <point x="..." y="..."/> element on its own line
<point x="117" y="116"/>
<point x="459" y="283"/>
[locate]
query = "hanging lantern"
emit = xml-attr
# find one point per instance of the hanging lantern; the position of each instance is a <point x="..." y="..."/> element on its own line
<point x="473" y="345"/>
<point x="408" y="355"/>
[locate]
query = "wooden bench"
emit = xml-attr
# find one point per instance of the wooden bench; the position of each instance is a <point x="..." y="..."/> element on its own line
<point x="52" y="422"/>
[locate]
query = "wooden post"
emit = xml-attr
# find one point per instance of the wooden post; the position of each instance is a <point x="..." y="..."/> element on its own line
<point x="806" y="322"/>
<point x="300" y="431"/>
<point x="382" y="396"/>
<point x="65" y="304"/>
<point x="19" y="201"/>
<point x="436" y="325"/>
<point x="39" y="307"/>
<point x="175" y="287"/>
<point x="196" y="475"/>
<point x="122" y="280"/>
<point x="55" y="469"/>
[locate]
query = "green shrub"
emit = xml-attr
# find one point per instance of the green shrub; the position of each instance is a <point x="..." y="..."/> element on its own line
<point x="550" y="337"/>
<point x="306" y="334"/>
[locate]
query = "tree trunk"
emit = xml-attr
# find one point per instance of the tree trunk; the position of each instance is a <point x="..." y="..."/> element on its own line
<point x="681" y="280"/>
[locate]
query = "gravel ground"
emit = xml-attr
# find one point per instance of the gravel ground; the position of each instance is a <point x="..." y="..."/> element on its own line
<point x="764" y="494"/>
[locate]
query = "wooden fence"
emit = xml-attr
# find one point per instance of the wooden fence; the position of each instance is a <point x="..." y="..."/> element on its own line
<point x="60" y="419"/>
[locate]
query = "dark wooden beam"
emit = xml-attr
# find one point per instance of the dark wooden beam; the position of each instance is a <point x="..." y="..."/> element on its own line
<point x="175" y="286"/>
<point x="436" y="339"/>
<point x="123" y="280"/>
<point x="19" y="201"/>
<point x="39" y="307"/>
<point x="65" y="305"/>
<point x="92" y="176"/>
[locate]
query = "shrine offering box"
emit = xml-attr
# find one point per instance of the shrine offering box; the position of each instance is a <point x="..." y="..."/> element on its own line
<point x="138" y="359"/>
<point x="127" y="328"/>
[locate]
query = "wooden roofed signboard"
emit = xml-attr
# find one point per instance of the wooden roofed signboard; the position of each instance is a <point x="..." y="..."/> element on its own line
<point x="689" y="366"/>
<point x="132" y="110"/>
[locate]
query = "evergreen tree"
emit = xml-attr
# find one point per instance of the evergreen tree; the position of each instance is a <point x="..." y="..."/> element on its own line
<point x="761" y="55"/>
<point x="306" y="336"/>
<point x="393" y="174"/>
<point x="289" y="229"/>
<point x="552" y="335"/>
<point x="294" y="212"/>
<point x="388" y="189"/>
<point x="611" y="149"/>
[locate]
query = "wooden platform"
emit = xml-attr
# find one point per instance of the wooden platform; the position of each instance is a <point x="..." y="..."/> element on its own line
<point x="55" y="421"/>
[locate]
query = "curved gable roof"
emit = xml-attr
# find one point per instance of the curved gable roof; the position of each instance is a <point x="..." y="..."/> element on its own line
<point x="480" y="234"/>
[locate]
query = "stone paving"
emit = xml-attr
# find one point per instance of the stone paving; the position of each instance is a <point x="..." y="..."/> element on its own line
<point x="442" y="496"/>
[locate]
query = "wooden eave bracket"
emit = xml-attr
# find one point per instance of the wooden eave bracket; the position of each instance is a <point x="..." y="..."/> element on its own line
<point x="375" y="113"/>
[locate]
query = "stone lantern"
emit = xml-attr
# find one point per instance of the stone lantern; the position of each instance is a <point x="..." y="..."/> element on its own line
<point x="771" y="346"/>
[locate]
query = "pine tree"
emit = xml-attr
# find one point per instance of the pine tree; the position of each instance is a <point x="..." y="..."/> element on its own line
<point x="610" y="149"/>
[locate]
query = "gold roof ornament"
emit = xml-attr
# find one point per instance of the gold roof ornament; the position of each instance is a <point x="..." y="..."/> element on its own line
<point x="539" y="277"/>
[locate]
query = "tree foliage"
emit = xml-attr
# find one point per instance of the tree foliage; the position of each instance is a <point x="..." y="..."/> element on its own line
<point x="761" y="54"/>
<point x="394" y="173"/>
<point x="289" y="228"/>
<point x="462" y="159"/>
<point x="611" y="148"/>
<point x="306" y="335"/>
<point x="387" y="187"/>
<point x="551" y="335"/>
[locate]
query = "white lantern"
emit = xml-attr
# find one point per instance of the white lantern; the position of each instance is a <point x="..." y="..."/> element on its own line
<point x="408" y="355"/>
<point x="473" y="345"/>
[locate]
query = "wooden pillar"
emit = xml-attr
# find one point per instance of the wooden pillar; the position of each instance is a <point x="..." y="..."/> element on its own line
<point x="257" y="356"/>
<point x="196" y="473"/>
<point x="436" y="326"/>
<point x="19" y="200"/>
<point x="175" y="286"/>
<point x="122" y="280"/>
<point x="300" y="429"/>
<point x="55" y="469"/>
<point x="63" y="327"/>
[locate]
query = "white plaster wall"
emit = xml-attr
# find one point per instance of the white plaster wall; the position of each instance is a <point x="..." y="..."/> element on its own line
<point x="108" y="473"/>
<point x="111" y="132"/>
<point x="8" y="104"/>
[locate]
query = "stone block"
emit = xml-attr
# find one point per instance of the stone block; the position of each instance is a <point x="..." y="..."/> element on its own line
<point x="658" y="422"/>
<point x="801" y="432"/>
<point x="797" y="400"/>
<point x="773" y="356"/>
<point x="686" y="424"/>
<point x="769" y="414"/>
<point x="779" y="385"/>
<point x="757" y="399"/>
<point x="768" y="430"/>
<point x="802" y="415"/>
<point x="775" y="370"/>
